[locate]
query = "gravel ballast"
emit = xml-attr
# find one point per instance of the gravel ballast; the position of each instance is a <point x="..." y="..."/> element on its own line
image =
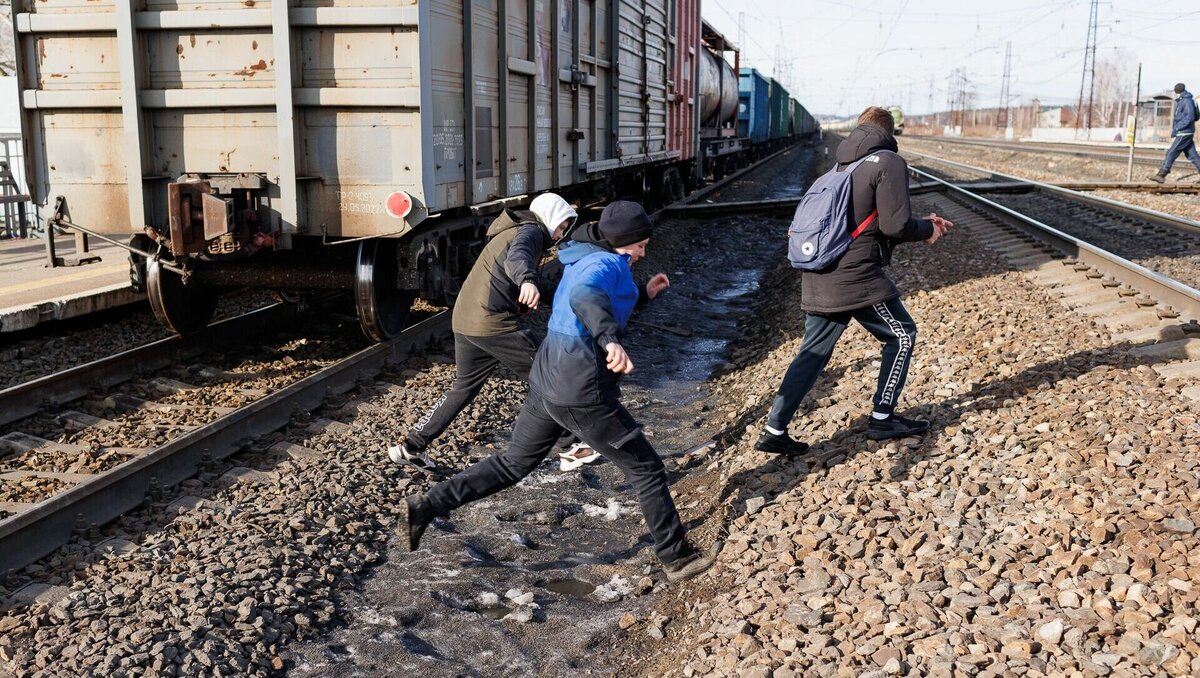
<point x="1044" y="526"/>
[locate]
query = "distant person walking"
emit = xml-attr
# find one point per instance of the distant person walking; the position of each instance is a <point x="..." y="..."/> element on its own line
<point x="857" y="287"/>
<point x="1183" y="128"/>
<point x="574" y="387"/>
<point x="504" y="282"/>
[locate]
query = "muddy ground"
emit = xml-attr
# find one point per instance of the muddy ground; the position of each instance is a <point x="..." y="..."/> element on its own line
<point x="536" y="580"/>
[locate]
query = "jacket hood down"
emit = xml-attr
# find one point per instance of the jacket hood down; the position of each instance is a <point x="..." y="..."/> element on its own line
<point x="487" y="303"/>
<point x="1184" y="122"/>
<point x="552" y="210"/>
<point x="511" y="219"/>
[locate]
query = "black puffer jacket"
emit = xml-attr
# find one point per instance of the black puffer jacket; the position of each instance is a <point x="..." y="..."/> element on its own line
<point x="858" y="279"/>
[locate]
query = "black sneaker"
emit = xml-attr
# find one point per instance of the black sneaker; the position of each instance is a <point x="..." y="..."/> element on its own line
<point x="415" y="517"/>
<point x="692" y="563"/>
<point x="779" y="444"/>
<point x="1158" y="178"/>
<point x="895" y="427"/>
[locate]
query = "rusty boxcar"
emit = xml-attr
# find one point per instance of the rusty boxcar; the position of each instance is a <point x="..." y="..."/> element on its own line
<point x="351" y="144"/>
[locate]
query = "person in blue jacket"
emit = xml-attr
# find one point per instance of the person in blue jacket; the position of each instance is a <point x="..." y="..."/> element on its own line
<point x="573" y="386"/>
<point x="1183" y="128"/>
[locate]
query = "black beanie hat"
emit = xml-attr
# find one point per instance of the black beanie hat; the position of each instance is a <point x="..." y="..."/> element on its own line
<point x="624" y="223"/>
<point x="1179" y="88"/>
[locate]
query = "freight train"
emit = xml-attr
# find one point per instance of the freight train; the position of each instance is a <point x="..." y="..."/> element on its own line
<point x="364" y="144"/>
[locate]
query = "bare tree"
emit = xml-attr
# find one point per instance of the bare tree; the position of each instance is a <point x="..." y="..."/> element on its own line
<point x="1114" y="88"/>
<point x="8" y="55"/>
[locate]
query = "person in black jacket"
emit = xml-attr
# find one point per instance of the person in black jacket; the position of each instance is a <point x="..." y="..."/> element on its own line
<point x="504" y="282"/>
<point x="857" y="287"/>
<point x="574" y="387"/>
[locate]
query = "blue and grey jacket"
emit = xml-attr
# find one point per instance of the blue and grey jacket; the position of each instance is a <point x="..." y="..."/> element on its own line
<point x="592" y="306"/>
<point x="1184" y="123"/>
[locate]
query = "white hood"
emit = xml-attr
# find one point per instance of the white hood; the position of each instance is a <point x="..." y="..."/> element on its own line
<point x="551" y="210"/>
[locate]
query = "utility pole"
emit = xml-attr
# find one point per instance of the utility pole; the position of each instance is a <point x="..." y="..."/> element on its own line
<point x="930" y="105"/>
<point x="1133" y="129"/>
<point x="741" y="30"/>
<point x="783" y="62"/>
<point x="1002" y="114"/>
<point x="1087" y="81"/>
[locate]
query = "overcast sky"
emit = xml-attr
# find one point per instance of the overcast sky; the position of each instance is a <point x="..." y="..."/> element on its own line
<point x="847" y="54"/>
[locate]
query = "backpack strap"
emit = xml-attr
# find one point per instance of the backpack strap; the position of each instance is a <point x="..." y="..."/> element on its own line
<point x="874" y="214"/>
<point x="863" y="226"/>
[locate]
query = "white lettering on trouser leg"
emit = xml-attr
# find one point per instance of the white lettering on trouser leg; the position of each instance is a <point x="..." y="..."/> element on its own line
<point x="888" y="396"/>
<point x="424" y="420"/>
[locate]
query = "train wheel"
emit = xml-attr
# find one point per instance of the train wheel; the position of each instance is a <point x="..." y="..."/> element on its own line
<point x="672" y="186"/>
<point x="184" y="308"/>
<point x="382" y="307"/>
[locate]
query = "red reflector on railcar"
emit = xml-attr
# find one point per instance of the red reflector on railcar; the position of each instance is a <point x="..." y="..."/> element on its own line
<point x="399" y="204"/>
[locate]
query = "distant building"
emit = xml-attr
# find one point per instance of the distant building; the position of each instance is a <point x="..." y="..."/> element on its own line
<point x="1154" y="117"/>
<point x="1056" y="116"/>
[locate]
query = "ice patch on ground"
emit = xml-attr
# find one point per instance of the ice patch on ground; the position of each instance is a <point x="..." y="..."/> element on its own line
<point x="615" y="589"/>
<point x="612" y="511"/>
<point x="549" y="477"/>
<point x="372" y="616"/>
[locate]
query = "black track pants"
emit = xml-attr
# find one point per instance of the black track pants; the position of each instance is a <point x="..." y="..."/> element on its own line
<point x="475" y="358"/>
<point x="610" y="430"/>
<point x="888" y="321"/>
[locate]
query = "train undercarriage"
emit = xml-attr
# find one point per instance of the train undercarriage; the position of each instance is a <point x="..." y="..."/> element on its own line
<point x="217" y="239"/>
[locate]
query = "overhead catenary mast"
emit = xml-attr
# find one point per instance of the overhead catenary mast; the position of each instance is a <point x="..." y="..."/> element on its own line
<point x="1005" y="94"/>
<point x="1087" y="81"/>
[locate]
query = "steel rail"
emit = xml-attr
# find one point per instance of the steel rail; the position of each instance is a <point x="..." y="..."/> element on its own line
<point x="1140" y="187"/>
<point x="40" y="530"/>
<point x="26" y="399"/>
<point x="782" y="208"/>
<point x="1180" y="297"/>
<point x="1042" y="147"/>
<point x="1154" y="216"/>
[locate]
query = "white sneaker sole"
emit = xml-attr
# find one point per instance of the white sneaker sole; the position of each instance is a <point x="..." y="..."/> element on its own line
<point x="397" y="456"/>
<point x="570" y="463"/>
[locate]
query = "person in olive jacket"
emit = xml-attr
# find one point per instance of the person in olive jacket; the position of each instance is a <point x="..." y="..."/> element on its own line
<point x="504" y="282"/>
<point x="857" y="287"/>
<point x="574" y="386"/>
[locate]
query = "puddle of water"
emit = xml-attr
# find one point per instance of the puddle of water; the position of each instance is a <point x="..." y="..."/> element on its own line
<point x="789" y="190"/>
<point x="495" y="611"/>
<point x="738" y="289"/>
<point x="570" y="587"/>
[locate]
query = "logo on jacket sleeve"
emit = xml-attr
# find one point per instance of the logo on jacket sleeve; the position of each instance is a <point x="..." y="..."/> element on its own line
<point x="871" y="158"/>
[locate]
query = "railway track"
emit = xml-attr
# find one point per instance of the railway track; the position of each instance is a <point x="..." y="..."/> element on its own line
<point x="1163" y="297"/>
<point x="1010" y="183"/>
<point x="56" y="500"/>
<point x="1068" y="187"/>
<point x="90" y="484"/>
<point x="1057" y="149"/>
